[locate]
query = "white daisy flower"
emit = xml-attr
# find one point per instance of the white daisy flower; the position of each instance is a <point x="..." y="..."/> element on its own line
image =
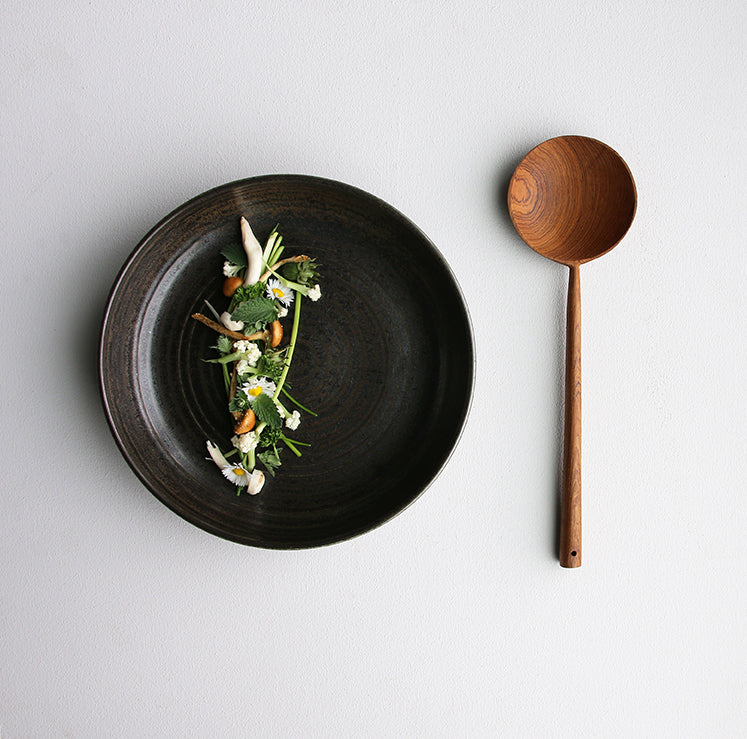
<point x="236" y="473"/>
<point x="277" y="291"/>
<point x="293" y="421"/>
<point x="247" y="442"/>
<point x="315" y="293"/>
<point x="258" y="386"/>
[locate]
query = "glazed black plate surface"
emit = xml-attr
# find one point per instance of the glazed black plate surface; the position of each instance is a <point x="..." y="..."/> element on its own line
<point x="385" y="358"/>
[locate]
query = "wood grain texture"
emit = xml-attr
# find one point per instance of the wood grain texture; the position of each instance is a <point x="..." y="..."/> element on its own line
<point x="572" y="199"/>
<point x="570" y="494"/>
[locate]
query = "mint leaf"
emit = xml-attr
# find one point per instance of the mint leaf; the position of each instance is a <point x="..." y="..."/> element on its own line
<point x="255" y="310"/>
<point x="235" y="254"/>
<point x="266" y="411"/>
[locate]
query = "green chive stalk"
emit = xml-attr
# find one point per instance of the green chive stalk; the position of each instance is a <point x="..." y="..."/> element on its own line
<point x="295" y="402"/>
<point x="291" y="347"/>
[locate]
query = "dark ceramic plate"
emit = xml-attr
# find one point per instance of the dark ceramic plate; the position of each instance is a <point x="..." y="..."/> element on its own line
<point x="385" y="358"/>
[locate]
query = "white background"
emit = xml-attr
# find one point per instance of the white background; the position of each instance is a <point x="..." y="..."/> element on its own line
<point x="118" y="619"/>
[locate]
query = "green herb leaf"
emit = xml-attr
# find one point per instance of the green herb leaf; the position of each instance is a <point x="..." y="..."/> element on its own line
<point x="270" y="459"/>
<point x="247" y="292"/>
<point x="270" y="436"/>
<point x="239" y="403"/>
<point x="268" y="368"/>
<point x="224" y="345"/>
<point x="256" y="310"/>
<point x="266" y="411"/>
<point x="235" y="254"/>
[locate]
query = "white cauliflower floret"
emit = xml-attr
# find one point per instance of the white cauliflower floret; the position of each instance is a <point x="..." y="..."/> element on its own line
<point x="251" y="353"/>
<point x="243" y="367"/>
<point x="315" y="293"/>
<point x="245" y="443"/>
<point x="293" y="421"/>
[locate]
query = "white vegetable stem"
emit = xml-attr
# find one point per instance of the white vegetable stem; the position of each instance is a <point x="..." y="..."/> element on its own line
<point x="217" y="456"/>
<point x="253" y="253"/>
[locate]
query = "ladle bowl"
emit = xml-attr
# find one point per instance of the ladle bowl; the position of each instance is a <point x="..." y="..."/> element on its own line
<point x="572" y="199"/>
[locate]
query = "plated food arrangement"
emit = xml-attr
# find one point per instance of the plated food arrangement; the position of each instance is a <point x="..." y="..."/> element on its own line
<point x="354" y="355"/>
<point x="262" y="287"/>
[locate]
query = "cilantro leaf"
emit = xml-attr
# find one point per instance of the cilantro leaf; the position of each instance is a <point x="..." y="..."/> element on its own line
<point x="266" y="411"/>
<point x="270" y="459"/>
<point x="255" y="310"/>
<point x="224" y="345"/>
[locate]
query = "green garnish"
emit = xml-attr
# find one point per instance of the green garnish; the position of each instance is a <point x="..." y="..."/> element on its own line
<point x="255" y="311"/>
<point x="266" y="411"/>
<point x="235" y="254"/>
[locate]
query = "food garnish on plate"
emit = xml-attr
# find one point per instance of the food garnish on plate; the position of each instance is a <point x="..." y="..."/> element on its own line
<point x="264" y="289"/>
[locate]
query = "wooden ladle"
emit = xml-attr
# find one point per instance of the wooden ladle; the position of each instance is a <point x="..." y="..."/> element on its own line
<point x="572" y="199"/>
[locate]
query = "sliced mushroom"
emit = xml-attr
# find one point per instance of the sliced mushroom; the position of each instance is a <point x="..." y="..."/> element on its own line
<point x="246" y="423"/>
<point x="231" y="285"/>
<point x="256" y="481"/>
<point x="276" y="333"/>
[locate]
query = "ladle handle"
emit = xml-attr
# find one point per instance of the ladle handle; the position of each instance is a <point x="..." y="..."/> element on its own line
<point x="570" y="494"/>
